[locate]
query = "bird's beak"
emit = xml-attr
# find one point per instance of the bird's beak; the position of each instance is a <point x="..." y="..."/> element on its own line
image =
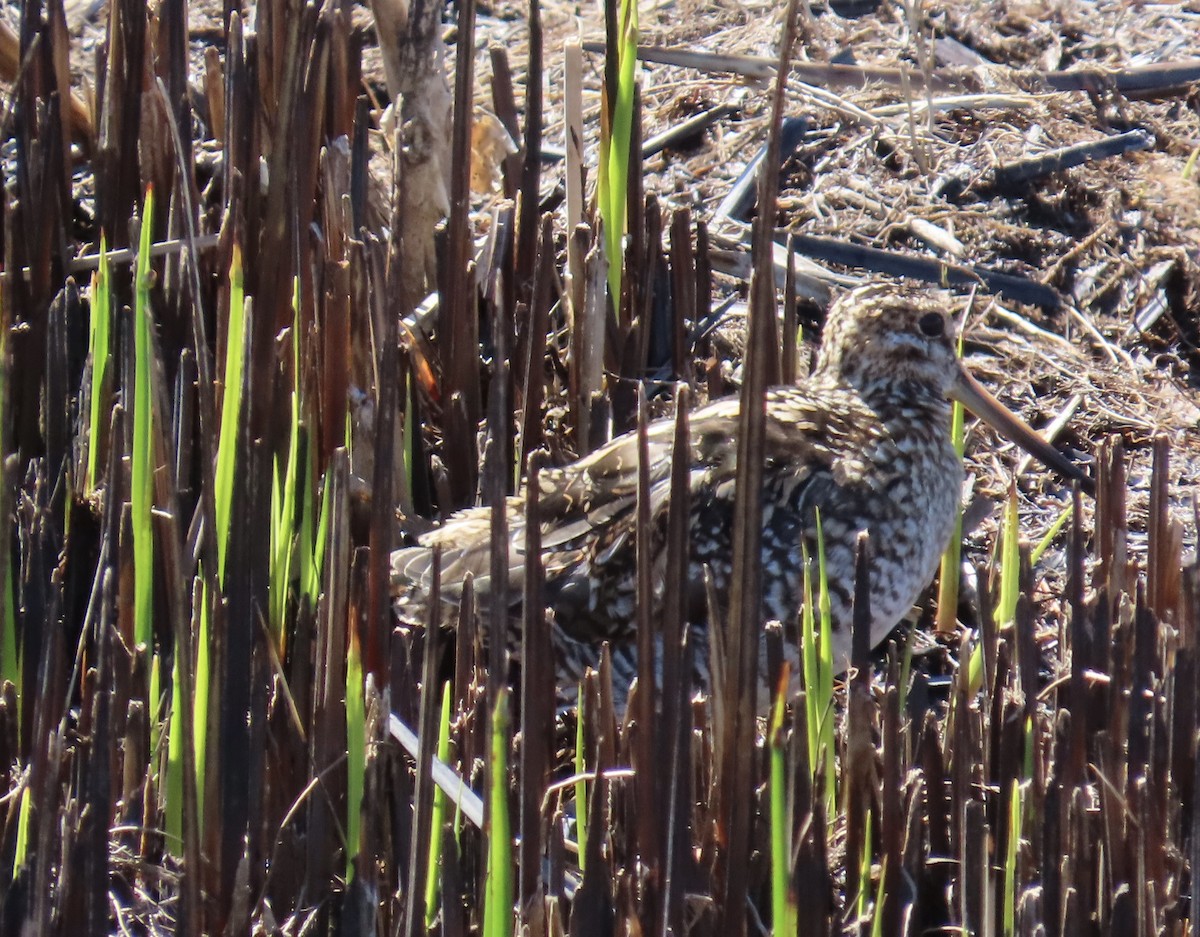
<point x="972" y="395"/>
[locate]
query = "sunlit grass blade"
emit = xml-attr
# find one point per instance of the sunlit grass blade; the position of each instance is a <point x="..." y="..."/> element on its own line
<point x="232" y="377"/>
<point x="1010" y="860"/>
<point x="1010" y="561"/>
<point x="784" y="913"/>
<point x="613" y="186"/>
<point x="825" y="672"/>
<point x="809" y="661"/>
<point x="581" y="794"/>
<point x="863" y="890"/>
<point x="1055" y="529"/>
<point x="951" y="568"/>
<point x="498" y="885"/>
<point x="99" y="354"/>
<point x="816" y="658"/>
<point x="432" y="879"/>
<point x="142" y="468"/>
<point x="284" y="494"/>
<point x="1010" y="578"/>
<point x="22" y="848"/>
<point x="306" y="549"/>
<point x="880" y="897"/>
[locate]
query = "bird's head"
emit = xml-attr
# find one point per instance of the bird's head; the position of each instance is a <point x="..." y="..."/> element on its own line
<point x="892" y="339"/>
<point x="889" y="335"/>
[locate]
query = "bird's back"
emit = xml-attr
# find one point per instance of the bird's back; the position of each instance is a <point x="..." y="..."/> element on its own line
<point x="825" y="450"/>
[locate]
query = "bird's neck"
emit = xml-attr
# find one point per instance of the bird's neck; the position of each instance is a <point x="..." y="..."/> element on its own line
<point x="906" y="398"/>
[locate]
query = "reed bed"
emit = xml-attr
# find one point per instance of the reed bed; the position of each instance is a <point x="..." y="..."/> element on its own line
<point x="240" y="364"/>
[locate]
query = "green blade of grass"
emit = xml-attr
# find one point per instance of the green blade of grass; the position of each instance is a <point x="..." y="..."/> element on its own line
<point x="232" y="376"/>
<point x="951" y="567"/>
<point x="142" y="468"/>
<point x="284" y="496"/>
<point x="1010" y="860"/>
<point x="863" y="890"/>
<point x="581" y="795"/>
<point x="432" y="879"/>
<point x="142" y="472"/>
<point x="1055" y="529"/>
<point x="498" y="885"/>
<point x="100" y="354"/>
<point x="784" y="913"/>
<point x="880" y="895"/>
<point x="1010" y="561"/>
<point x="809" y="662"/>
<point x="825" y="674"/>
<point x="615" y="149"/>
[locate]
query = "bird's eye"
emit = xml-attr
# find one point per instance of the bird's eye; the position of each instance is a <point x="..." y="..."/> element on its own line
<point x="932" y="325"/>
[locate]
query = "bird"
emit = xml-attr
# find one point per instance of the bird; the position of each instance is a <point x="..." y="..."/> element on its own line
<point x="863" y="443"/>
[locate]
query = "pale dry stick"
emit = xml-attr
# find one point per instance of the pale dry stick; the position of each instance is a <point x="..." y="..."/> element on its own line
<point x="956" y="102"/>
<point x="449" y="780"/>
<point x="823" y="97"/>
<point x="933" y="235"/>
<point x="936" y="236"/>
<point x="1052" y="429"/>
<point x="1024" y="325"/>
<point x="89" y="262"/>
<point x="1115" y="354"/>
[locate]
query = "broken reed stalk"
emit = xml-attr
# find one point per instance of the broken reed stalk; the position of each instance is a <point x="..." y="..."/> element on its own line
<point x="745" y="597"/>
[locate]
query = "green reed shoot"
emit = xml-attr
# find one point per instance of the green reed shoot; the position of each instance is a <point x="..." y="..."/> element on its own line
<point x="142" y="468"/>
<point x="100" y="356"/>
<point x="951" y="568"/>
<point x="880" y="897"/>
<point x="784" y="913"/>
<point x="232" y="379"/>
<point x="1010" y="561"/>
<point x="863" y="889"/>
<point x="825" y="672"/>
<point x="1055" y="529"/>
<point x="23" y="817"/>
<point x="142" y="464"/>
<point x="432" y="878"/>
<point x="816" y="662"/>
<point x="1010" y="860"/>
<point x="498" y="883"/>
<point x="615" y="155"/>
<point x="284" y="494"/>
<point x="1010" y="581"/>
<point x="581" y="795"/>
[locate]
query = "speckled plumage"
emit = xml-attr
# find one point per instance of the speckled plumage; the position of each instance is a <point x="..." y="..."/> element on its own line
<point x="865" y="439"/>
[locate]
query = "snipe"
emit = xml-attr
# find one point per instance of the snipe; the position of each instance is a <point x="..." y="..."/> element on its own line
<point x="865" y="440"/>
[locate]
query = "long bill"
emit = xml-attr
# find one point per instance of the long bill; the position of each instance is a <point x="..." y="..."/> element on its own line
<point x="976" y="398"/>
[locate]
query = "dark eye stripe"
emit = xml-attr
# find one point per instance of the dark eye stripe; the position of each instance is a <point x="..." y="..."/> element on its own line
<point x="932" y="325"/>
